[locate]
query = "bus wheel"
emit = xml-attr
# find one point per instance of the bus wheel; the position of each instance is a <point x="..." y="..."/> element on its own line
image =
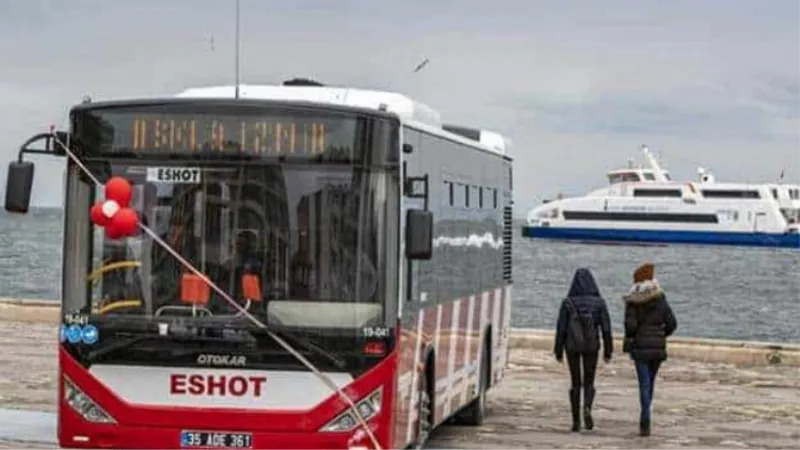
<point x="425" y="412"/>
<point x="474" y="413"/>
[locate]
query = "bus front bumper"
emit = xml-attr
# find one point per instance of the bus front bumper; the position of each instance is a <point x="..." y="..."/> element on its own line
<point x="135" y="437"/>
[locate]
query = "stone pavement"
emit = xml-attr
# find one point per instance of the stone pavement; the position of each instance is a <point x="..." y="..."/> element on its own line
<point x="697" y="404"/>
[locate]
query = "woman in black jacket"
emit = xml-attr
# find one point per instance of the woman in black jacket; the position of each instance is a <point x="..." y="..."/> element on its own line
<point x="649" y="320"/>
<point x="582" y="313"/>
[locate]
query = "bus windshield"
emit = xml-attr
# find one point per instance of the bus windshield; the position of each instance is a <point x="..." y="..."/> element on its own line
<point x="298" y="246"/>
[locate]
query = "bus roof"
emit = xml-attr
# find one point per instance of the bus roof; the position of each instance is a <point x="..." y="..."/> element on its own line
<point x="407" y="109"/>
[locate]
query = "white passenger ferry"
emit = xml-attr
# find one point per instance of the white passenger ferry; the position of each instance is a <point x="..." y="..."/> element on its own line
<point x="643" y="204"/>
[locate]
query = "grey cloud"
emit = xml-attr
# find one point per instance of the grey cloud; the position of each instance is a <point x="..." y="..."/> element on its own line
<point x="579" y="80"/>
<point x="777" y="96"/>
<point x="639" y="114"/>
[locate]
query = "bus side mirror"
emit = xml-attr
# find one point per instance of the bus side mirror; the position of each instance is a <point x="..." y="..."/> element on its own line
<point x="19" y="184"/>
<point x="57" y="149"/>
<point x="419" y="234"/>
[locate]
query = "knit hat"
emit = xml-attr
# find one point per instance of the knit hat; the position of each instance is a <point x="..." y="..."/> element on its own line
<point x="645" y="272"/>
<point x="645" y="286"/>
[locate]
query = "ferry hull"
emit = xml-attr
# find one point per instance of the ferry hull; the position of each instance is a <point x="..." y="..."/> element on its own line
<point x="785" y="240"/>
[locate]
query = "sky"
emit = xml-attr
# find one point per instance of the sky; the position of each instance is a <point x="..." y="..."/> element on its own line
<point x="577" y="85"/>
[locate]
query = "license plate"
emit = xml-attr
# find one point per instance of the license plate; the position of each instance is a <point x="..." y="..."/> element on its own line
<point x="210" y="439"/>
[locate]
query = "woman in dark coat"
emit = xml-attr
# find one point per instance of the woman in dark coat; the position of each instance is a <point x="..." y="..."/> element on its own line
<point x="649" y="320"/>
<point x="583" y="308"/>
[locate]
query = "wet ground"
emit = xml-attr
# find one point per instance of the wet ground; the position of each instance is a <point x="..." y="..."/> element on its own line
<point x="697" y="404"/>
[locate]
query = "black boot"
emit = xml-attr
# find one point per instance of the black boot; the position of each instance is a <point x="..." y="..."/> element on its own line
<point x="644" y="427"/>
<point x="588" y="399"/>
<point x="575" y="404"/>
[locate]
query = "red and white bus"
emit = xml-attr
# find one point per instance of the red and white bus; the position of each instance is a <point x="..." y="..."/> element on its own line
<point x="353" y="224"/>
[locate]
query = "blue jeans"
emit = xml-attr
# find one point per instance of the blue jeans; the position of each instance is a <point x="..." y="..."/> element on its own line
<point x="646" y="372"/>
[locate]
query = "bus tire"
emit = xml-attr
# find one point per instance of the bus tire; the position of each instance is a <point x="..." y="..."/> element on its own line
<point x="475" y="412"/>
<point x="424" y="408"/>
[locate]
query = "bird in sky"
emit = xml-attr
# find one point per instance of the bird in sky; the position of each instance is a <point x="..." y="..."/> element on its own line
<point x="421" y="65"/>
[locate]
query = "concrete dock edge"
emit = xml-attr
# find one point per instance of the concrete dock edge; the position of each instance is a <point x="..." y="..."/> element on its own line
<point x="738" y="353"/>
<point x="721" y="351"/>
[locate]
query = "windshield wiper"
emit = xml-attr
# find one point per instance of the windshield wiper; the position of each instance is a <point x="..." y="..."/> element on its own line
<point x="314" y="348"/>
<point x="128" y="342"/>
<point x="143" y="333"/>
<point x="298" y="341"/>
<point x="117" y="345"/>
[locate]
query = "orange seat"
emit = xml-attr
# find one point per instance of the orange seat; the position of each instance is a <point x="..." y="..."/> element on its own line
<point x="194" y="290"/>
<point x="251" y="287"/>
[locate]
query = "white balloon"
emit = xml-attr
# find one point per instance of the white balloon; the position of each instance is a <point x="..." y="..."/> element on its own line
<point x="109" y="208"/>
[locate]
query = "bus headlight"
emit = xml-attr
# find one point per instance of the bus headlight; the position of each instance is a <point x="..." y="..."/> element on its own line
<point x="83" y="405"/>
<point x="368" y="407"/>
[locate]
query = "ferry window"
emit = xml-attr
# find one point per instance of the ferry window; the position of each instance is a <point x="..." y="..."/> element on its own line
<point x="656" y="193"/>
<point x="623" y="177"/>
<point x="775" y="193"/>
<point x="494" y="195"/>
<point x="448" y="192"/>
<point x="466" y="195"/>
<point x="630" y="216"/>
<point x="452" y="193"/>
<point x="649" y="176"/>
<point x="720" y="193"/>
<point x="480" y="198"/>
<point x="457" y="194"/>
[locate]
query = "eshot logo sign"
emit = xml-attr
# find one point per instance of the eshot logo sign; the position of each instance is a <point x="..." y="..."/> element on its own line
<point x="172" y="175"/>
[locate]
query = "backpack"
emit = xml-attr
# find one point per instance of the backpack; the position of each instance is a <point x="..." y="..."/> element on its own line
<point x="581" y="331"/>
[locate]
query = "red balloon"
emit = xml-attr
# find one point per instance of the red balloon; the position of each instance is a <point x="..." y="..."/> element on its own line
<point x="119" y="190"/>
<point x="125" y="222"/>
<point x="97" y="216"/>
<point x="112" y="233"/>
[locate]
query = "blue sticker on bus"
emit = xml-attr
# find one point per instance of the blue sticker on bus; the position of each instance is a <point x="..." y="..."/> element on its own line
<point x="62" y="333"/>
<point x="74" y="333"/>
<point x="90" y="334"/>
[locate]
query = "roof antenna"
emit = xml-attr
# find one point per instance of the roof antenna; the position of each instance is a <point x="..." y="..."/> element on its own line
<point x="237" y="49"/>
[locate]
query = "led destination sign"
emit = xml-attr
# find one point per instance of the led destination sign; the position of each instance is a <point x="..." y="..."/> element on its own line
<point x="165" y="133"/>
<point x="258" y="135"/>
